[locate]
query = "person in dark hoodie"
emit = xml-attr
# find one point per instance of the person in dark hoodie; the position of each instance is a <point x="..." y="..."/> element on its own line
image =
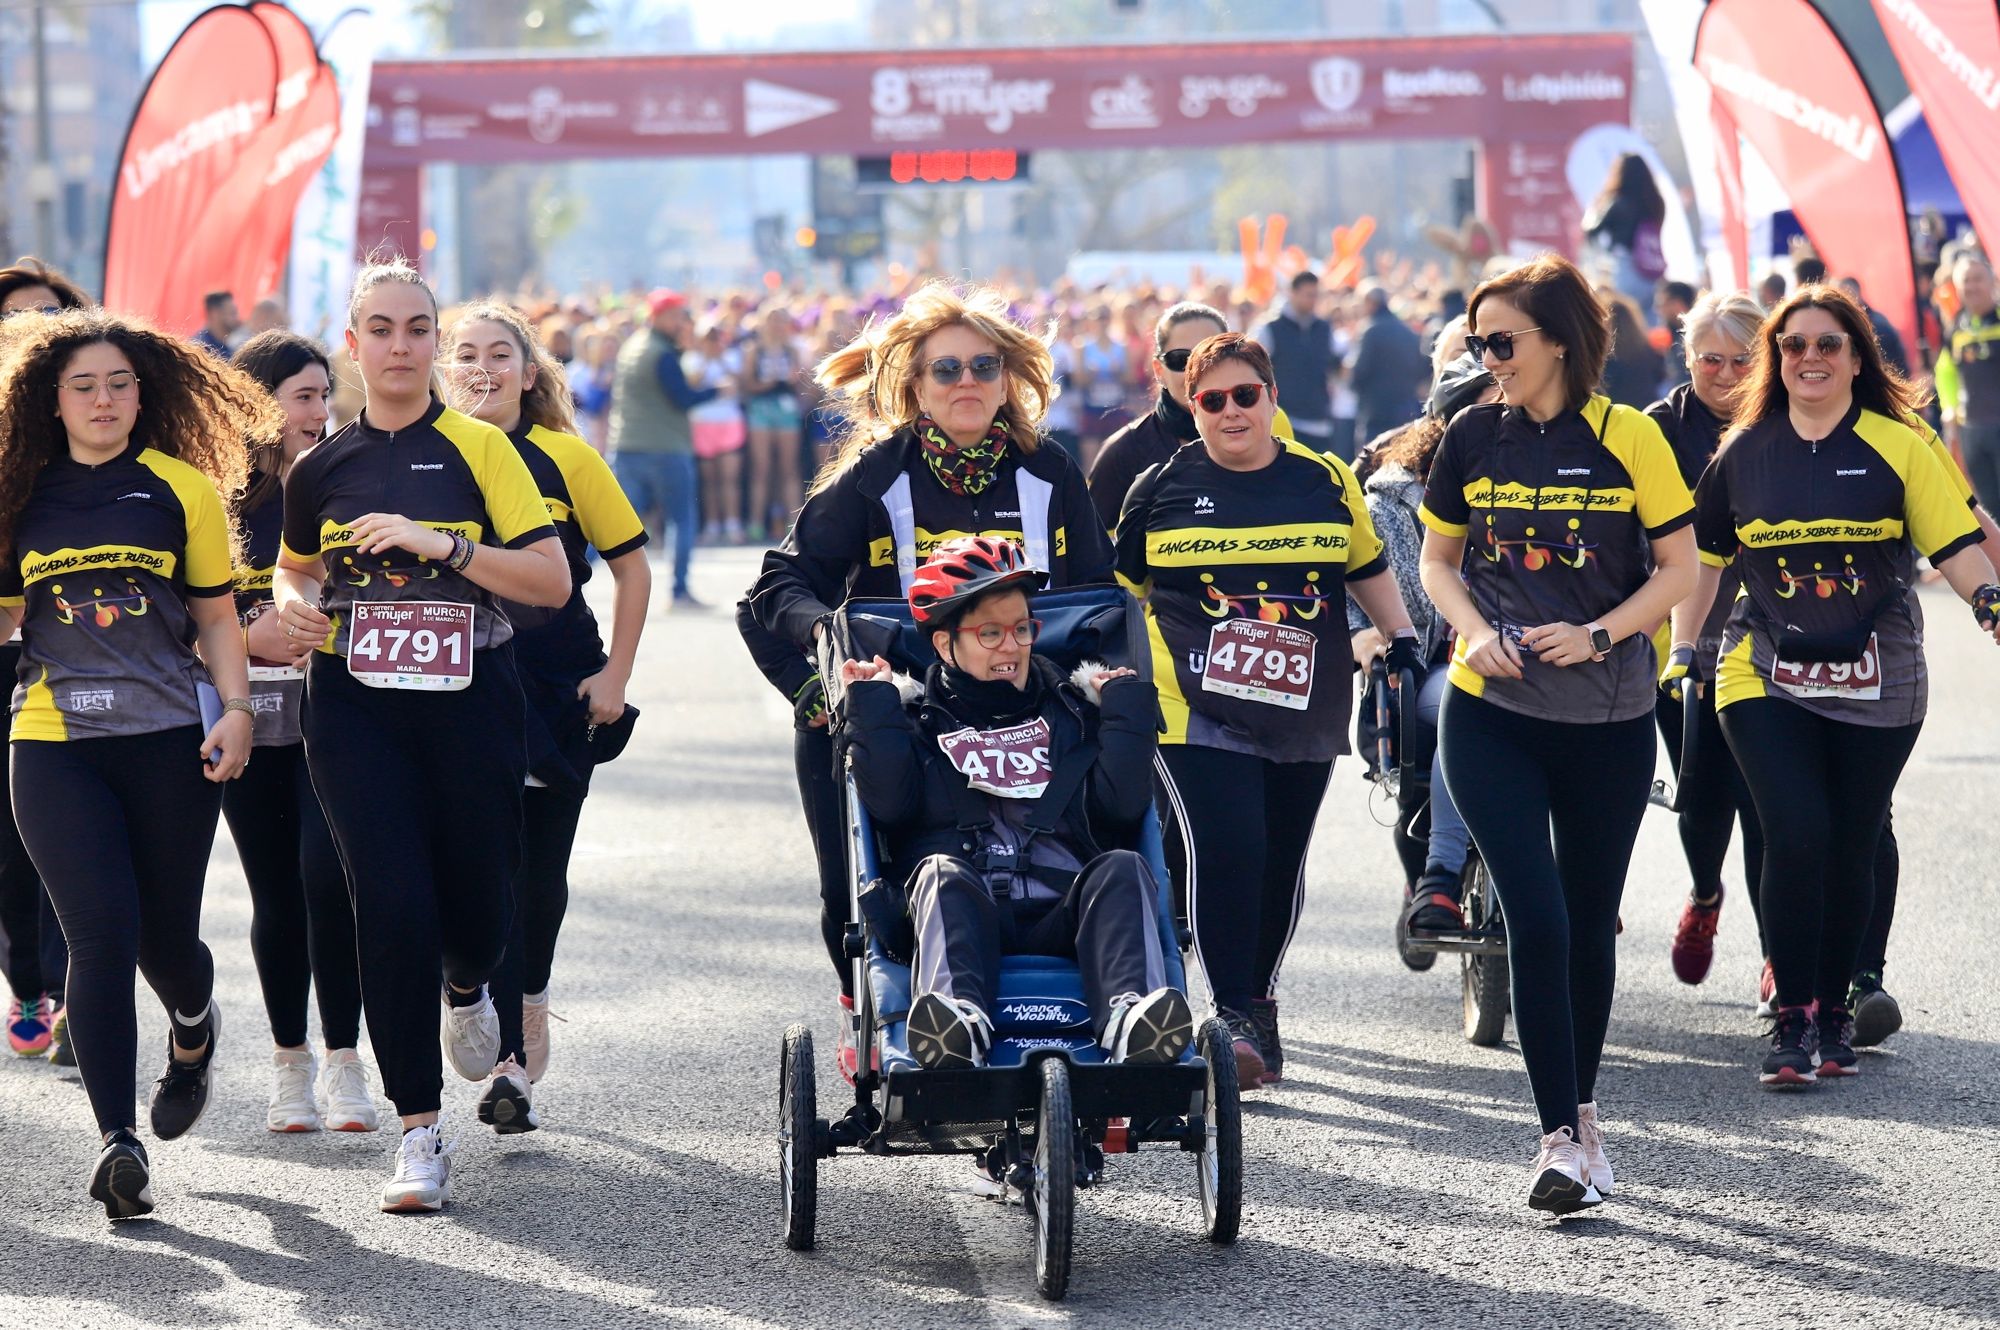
<point x="1160" y="433"/>
<point x="954" y="768"/>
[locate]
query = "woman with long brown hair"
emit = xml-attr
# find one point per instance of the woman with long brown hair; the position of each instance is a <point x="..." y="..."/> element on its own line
<point x="1823" y="497"/>
<point x="573" y="685"/>
<point x="117" y="443"/>
<point x="938" y="410"/>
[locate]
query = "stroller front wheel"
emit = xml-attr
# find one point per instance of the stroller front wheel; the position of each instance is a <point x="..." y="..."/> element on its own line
<point x="1052" y="1198"/>
<point x="798" y="1137"/>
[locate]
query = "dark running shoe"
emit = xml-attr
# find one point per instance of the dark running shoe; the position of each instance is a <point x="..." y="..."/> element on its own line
<point x="1433" y="907"/>
<point x="948" y="1033"/>
<point x="1694" y="941"/>
<point x="1264" y="1014"/>
<point x="1149" y="1030"/>
<point x="1246" y="1041"/>
<point x="1835" y="1029"/>
<point x="62" y="1053"/>
<point x="181" y="1095"/>
<point x="1876" y="1014"/>
<point x="1790" y="1061"/>
<point x="122" y="1182"/>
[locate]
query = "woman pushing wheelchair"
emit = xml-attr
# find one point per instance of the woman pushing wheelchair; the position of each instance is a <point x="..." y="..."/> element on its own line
<point x="1011" y="794"/>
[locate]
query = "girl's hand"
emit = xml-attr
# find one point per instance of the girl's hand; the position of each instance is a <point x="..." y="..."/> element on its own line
<point x="264" y="638"/>
<point x="1559" y="643"/>
<point x="1106" y="676"/>
<point x="858" y="671"/>
<point x="304" y="628"/>
<point x="605" y="697"/>
<point x="232" y="734"/>
<point x="1493" y="656"/>
<point x="375" y="532"/>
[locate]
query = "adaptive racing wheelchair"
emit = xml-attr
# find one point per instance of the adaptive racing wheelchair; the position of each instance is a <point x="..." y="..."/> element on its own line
<point x="1047" y="1108"/>
<point x="1397" y="745"/>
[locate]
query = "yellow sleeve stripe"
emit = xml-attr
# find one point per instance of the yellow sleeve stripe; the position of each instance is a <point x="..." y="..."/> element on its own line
<point x="513" y="500"/>
<point x="1713" y="560"/>
<point x="1439" y="525"/>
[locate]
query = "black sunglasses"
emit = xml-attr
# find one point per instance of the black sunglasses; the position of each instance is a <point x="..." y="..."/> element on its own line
<point x="1501" y="344"/>
<point x="1176" y="360"/>
<point x="947" y="370"/>
<point x="1244" y="395"/>
<point x="1793" y="345"/>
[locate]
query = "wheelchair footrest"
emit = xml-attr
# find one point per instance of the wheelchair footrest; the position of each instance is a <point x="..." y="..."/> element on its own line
<point x="1472" y="941"/>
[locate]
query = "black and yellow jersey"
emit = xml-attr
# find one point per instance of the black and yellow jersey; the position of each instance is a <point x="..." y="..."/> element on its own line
<point x="1825" y="536"/>
<point x="446" y="471"/>
<point x="104" y="560"/>
<point x="276" y="690"/>
<point x="589" y="511"/>
<point x="1558" y="519"/>
<point x="1968" y="370"/>
<point x="865" y="534"/>
<point x="1244" y="574"/>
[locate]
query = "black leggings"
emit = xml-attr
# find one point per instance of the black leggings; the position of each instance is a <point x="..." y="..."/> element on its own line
<point x="423" y="793"/>
<point x="541" y="897"/>
<point x="36" y="957"/>
<point x="1822" y="789"/>
<point x="1554" y="808"/>
<point x="819" y="792"/>
<point x="120" y="829"/>
<point x="1882" y="916"/>
<point x="1713" y="798"/>
<point x="1245" y="826"/>
<point x="301" y="921"/>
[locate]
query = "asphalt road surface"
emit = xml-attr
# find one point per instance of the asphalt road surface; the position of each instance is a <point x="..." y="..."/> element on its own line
<point x="1385" y="1181"/>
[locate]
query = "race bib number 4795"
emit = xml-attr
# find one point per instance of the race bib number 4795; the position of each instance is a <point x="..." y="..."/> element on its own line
<point x="1262" y="662"/>
<point x="1011" y="762"/>
<point x="411" y="644"/>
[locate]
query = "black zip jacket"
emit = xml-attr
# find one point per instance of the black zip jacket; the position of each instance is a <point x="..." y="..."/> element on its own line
<point x="1144" y="443"/>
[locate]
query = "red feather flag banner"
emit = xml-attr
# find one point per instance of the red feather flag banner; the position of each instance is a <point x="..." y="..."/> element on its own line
<point x="1950" y="53"/>
<point x="1784" y="77"/>
<point x="232" y="126"/>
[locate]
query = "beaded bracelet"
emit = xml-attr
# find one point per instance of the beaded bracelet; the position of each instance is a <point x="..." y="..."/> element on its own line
<point x="461" y="553"/>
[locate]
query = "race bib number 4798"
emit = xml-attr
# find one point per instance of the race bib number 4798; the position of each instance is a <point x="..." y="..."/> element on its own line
<point x="1261" y="662"/>
<point x="411" y="644"/>
<point x="1011" y="762"/>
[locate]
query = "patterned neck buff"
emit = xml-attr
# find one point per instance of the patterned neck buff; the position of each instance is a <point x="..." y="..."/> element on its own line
<point x="967" y="468"/>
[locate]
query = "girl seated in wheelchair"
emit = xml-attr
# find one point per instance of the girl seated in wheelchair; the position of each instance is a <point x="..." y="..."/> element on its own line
<point x="1007" y="791"/>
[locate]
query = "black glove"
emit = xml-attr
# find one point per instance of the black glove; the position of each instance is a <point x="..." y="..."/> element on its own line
<point x="1403" y="654"/>
<point x="1674" y="675"/>
<point x="1986" y="605"/>
<point x="809" y="703"/>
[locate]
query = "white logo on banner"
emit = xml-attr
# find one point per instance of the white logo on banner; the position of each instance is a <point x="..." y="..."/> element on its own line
<point x="769" y="107"/>
<point x="1337" y="82"/>
<point x="1126" y="105"/>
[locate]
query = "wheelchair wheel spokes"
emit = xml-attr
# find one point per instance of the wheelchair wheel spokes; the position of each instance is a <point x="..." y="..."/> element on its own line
<point x="1052" y="1199"/>
<point x="1483" y="979"/>
<point x="1219" y="1146"/>
<point x="798" y="1137"/>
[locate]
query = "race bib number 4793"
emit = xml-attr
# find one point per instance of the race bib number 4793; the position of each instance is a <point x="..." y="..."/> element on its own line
<point x="411" y="644"/>
<point x="1011" y="762"/>
<point x="1262" y="662"/>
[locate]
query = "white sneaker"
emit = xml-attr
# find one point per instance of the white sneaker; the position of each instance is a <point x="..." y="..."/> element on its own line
<point x="948" y="1032"/>
<point x="470" y="1036"/>
<point x="292" y="1107"/>
<point x="505" y="1107"/>
<point x="1156" y="1028"/>
<point x="1560" y="1183"/>
<point x="343" y="1083"/>
<point x="535" y="1036"/>
<point x="1590" y="1139"/>
<point x="423" y="1173"/>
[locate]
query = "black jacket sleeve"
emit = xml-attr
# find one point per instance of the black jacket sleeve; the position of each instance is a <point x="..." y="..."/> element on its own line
<point x="1112" y="473"/>
<point x="1120" y="788"/>
<point x="777" y="660"/>
<point x="806" y="577"/>
<point x="882" y="741"/>
<point x="1131" y="551"/>
<point x="1086" y="547"/>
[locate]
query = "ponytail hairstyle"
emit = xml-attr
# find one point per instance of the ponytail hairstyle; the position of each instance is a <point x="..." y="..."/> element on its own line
<point x="871" y="382"/>
<point x="271" y="358"/>
<point x="384" y="267"/>
<point x="548" y="403"/>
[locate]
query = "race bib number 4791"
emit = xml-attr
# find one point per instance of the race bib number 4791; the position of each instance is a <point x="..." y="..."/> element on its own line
<point x="411" y="644"/>
<point x="1011" y="762"/>
<point x="1262" y="662"/>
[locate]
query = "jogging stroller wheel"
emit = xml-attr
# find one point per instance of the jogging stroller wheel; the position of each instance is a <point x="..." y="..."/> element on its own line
<point x="1052" y="1197"/>
<point x="798" y="1137"/>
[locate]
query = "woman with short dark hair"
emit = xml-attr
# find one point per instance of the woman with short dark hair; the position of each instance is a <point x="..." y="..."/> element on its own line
<point x="1576" y="515"/>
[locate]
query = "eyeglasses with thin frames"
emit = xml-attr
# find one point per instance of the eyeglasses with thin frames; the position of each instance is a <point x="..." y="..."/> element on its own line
<point x="991" y="635"/>
<point x="1711" y="362"/>
<point x="120" y="385"/>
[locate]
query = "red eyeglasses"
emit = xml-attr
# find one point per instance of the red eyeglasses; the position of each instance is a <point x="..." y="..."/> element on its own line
<point x="1245" y="395"/>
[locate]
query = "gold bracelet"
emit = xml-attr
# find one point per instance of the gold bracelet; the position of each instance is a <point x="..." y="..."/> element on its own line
<point x="242" y="704"/>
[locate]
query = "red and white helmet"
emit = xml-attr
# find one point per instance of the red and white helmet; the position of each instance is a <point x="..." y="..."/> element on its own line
<point x="965" y="569"/>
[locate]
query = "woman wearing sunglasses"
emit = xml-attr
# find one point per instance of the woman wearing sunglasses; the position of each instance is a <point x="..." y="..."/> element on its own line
<point x="1576" y="517"/>
<point x="36" y="957"/>
<point x="1159" y="434"/>
<point x="1720" y="333"/>
<point x="939" y="411"/>
<point x="1244" y="549"/>
<point x="989" y="732"/>
<point x="1823" y="496"/>
<point x="133" y="707"/>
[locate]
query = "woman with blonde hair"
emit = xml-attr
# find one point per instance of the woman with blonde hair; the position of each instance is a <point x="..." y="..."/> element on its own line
<point x="938" y="412"/>
<point x="508" y="379"/>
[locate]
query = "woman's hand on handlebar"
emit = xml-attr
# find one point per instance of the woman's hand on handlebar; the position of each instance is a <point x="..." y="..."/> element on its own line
<point x="859" y="671"/>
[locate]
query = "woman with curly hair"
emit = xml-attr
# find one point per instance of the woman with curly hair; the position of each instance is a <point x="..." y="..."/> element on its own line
<point x="117" y="443"/>
<point x="938" y="410"/>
